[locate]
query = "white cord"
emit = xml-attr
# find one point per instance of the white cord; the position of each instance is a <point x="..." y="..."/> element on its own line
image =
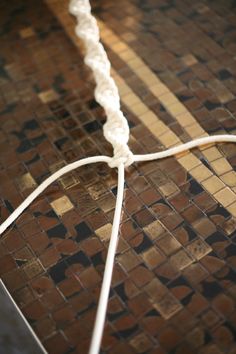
<point x="116" y="131"/>
<point x="106" y="283"/>
<point x="46" y="183"/>
<point x="184" y="147"/>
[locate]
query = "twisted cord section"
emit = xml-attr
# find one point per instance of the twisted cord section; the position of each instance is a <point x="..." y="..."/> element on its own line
<point x="116" y="129"/>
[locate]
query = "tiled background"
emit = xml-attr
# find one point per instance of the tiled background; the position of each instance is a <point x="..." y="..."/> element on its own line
<point x="173" y="286"/>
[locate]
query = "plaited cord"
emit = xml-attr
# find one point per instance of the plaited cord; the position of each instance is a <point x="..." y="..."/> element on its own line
<point x="116" y="131"/>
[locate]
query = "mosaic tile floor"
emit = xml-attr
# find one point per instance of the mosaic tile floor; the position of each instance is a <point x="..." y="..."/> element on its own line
<point x="173" y="288"/>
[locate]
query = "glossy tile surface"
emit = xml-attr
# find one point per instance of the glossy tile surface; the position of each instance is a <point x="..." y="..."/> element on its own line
<point x="173" y="288"/>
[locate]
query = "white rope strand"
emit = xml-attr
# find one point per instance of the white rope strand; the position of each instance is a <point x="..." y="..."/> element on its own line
<point x="116" y="129"/>
<point x="187" y="146"/>
<point x="106" y="283"/>
<point x="46" y="183"/>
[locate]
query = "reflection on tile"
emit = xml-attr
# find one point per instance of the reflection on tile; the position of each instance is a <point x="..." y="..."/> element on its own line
<point x="198" y="249"/>
<point x="62" y="205"/>
<point x="181" y="259"/>
<point x="168" y="306"/>
<point x="48" y="96"/>
<point x="104" y="232"/>
<point x="26" y="182"/>
<point x="27" y="32"/>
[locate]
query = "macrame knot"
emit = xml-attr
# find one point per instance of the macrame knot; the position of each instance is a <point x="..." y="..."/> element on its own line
<point x="122" y="154"/>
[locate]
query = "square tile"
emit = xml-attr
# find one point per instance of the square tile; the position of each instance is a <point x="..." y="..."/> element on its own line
<point x="62" y="205"/>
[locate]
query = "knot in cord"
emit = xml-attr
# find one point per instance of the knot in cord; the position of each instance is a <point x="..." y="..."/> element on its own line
<point x="122" y="154"/>
<point x="116" y="131"/>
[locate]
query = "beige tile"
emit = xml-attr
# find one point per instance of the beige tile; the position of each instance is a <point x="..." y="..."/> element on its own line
<point x="185" y="119"/>
<point x="201" y="173"/>
<point x="154" y="230"/>
<point x="221" y="166"/>
<point x="48" y="96"/>
<point x="189" y="161"/>
<point x="169" y="139"/>
<point x="135" y="64"/>
<point x="211" y="153"/>
<point x="232" y="209"/>
<point x="139" y="109"/>
<point x="62" y="205"/>
<point x="229" y="178"/>
<point x="130" y="99"/>
<point x="158" y="128"/>
<point x="27" y="32"/>
<point x="152" y="257"/>
<point x="159" y="89"/>
<point x="195" y="131"/>
<point x="213" y="184"/>
<point x="104" y="232"/>
<point x="149" y="118"/>
<point x="168" y="98"/>
<point x="176" y="108"/>
<point x="26" y="182"/>
<point x="225" y="196"/>
<point x="189" y="60"/>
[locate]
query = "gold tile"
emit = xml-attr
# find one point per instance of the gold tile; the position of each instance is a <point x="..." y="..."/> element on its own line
<point x="181" y="260"/>
<point x="159" y="89"/>
<point x="221" y="166"/>
<point x="152" y="257"/>
<point x="168" y="98"/>
<point x="168" y="306"/>
<point x="149" y="118"/>
<point x="62" y="205"/>
<point x="211" y="153"/>
<point x="129" y="36"/>
<point x="225" y="196"/>
<point x="189" y="161"/>
<point x="198" y="249"/>
<point x="155" y="289"/>
<point x="128" y="260"/>
<point x="186" y="119"/>
<point x="48" y="96"/>
<point x="139" y="109"/>
<point x="104" y="232"/>
<point x="213" y="184"/>
<point x="26" y="182"/>
<point x="169" y="189"/>
<point x="195" y="130"/>
<point x="154" y="230"/>
<point x="201" y="173"/>
<point x="176" y="108"/>
<point x="127" y="55"/>
<point x="130" y="99"/>
<point x="189" y="60"/>
<point x="224" y="95"/>
<point x="232" y="209"/>
<point x="169" y="139"/>
<point x="229" y="178"/>
<point x="135" y="64"/>
<point x="158" y="128"/>
<point x="119" y="46"/>
<point x="68" y="181"/>
<point x="33" y="268"/>
<point x="27" y="32"/>
<point x="141" y="342"/>
<point x="168" y="244"/>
